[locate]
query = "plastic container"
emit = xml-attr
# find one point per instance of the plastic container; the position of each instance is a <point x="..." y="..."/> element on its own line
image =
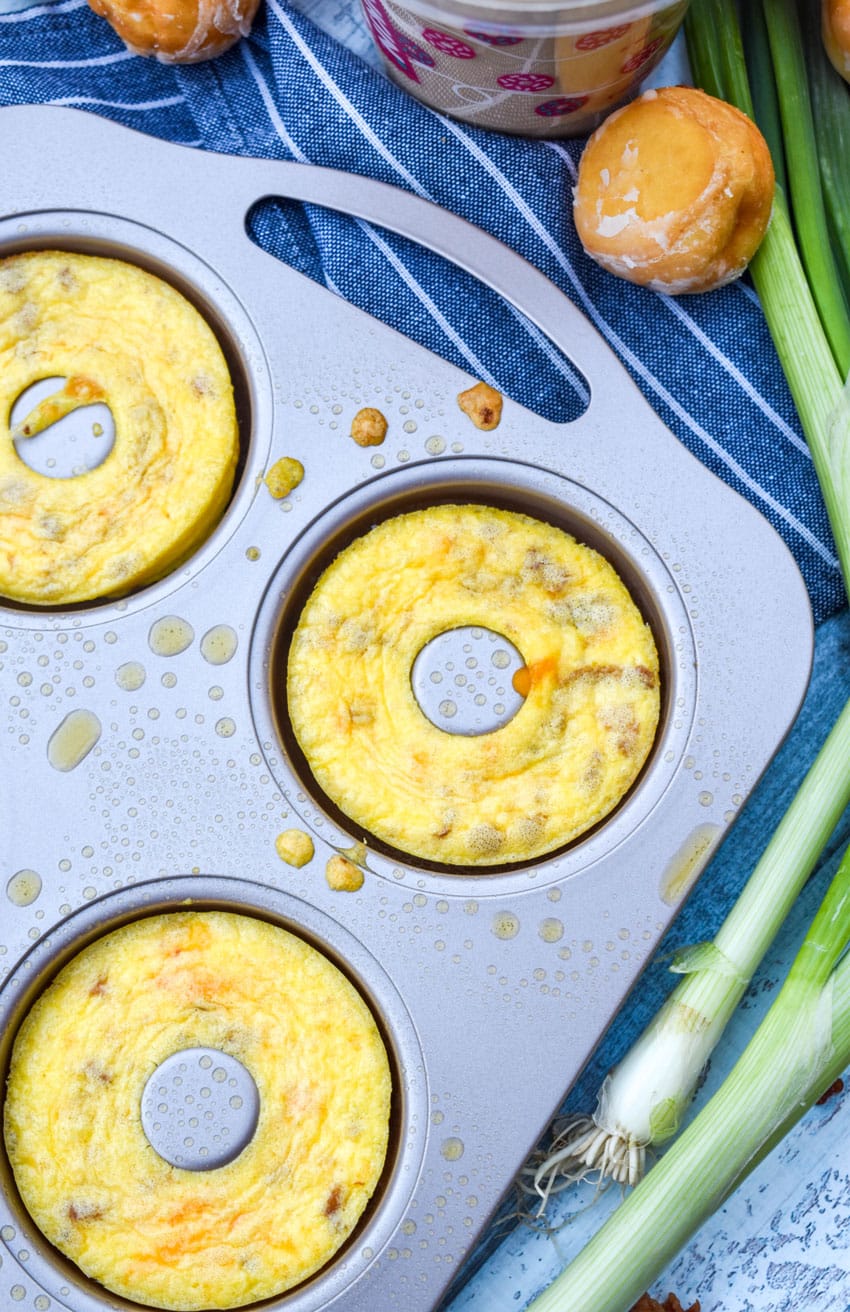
<point x="536" y="68"/>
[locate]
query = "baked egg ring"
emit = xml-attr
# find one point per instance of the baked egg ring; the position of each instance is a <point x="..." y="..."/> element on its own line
<point x="590" y="682"/>
<point x="89" y="1176"/>
<point x="119" y="335"/>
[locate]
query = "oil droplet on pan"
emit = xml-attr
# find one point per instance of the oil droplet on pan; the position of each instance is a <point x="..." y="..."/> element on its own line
<point x="452" y="1149"/>
<point x="551" y="930"/>
<point x="130" y="676"/>
<point x="170" y="635"/>
<point x="72" y="741"/>
<point x="682" y="871"/>
<point x="24" y="887"/>
<point x="219" y="644"/>
<point x="505" y="924"/>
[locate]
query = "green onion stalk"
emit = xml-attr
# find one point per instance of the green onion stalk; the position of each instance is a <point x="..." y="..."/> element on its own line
<point x="785" y="23"/>
<point x="831" y="111"/>
<point x="803" y="1041"/>
<point x="642" y="1102"/>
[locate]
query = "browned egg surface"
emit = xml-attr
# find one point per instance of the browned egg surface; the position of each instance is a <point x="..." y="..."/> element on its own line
<point x="120" y="336"/>
<point x="100" y="1192"/>
<point x="590" y="683"/>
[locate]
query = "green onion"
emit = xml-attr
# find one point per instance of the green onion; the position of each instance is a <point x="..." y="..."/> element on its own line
<point x="831" y="109"/>
<point x="784" y="1068"/>
<point x="786" y="45"/>
<point x="814" y="377"/>
<point x="763" y="87"/>
<point x="643" y="1100"/>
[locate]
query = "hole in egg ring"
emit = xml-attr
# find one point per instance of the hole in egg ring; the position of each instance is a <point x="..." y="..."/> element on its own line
<point x="154" y="916"/>
<point x="470" y="680"/>
<point x="515" y="489"/>
<point x="93" y="440"/>
<point x="76" y="441"/>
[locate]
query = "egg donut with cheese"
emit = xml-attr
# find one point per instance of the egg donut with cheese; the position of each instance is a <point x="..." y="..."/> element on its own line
<point x="119" y="335"/>
<point x="178" y="1238"/>
<point x="590" y="684"/>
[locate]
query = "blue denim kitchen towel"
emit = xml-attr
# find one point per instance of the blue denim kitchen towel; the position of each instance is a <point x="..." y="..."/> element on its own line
<point x="289" y="91"/>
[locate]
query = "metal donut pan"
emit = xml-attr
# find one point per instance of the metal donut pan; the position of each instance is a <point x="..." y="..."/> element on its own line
<point x="494" y="987"/>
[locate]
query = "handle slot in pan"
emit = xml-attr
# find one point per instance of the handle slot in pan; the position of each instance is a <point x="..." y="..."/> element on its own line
<point x="426" y="296"/>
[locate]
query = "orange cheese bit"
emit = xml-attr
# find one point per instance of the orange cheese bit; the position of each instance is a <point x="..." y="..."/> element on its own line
<point x="483" y="404"/>
<point x="369" y="427"/>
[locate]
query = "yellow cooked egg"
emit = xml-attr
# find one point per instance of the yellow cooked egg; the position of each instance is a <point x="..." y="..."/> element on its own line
<point x="118" y="335"/>
<point x="590" y="684"/>
<point x="161" y="1234"/>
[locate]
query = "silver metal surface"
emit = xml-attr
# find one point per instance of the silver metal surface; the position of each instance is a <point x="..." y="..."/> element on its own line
<point x="492" y="988"/>
<point x="200" y="1108"/>
<point x="462" y="680"/>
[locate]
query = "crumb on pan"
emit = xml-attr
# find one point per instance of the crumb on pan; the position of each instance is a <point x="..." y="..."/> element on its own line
<point x="343" y="875"/>
<point x="294" y="847"/>
<point x="284" y="476"/>
<point x="369" y="427"/>
<point x="483" y="404"/>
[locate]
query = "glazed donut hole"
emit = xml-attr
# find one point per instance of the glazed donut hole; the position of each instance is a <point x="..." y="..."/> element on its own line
<point x="127" y="412"/>
<point x="486" y="702"/>
<point x="674" y="192"/>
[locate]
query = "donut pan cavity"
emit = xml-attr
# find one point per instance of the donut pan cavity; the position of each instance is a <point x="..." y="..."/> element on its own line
<point x="177" y="769"/>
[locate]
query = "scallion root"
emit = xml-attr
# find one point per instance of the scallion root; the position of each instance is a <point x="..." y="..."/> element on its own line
<point x="582" y="1149"/>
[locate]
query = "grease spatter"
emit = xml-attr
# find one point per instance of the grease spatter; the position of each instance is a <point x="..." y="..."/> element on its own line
<point x="130" y="676"/>
<point x="218" y="645"/>
<point x="505" y="924"/>
<point x="170" y="635"/>
<point x="687" y="863"/>
<point x="72" y="741"/>
<point x="24" y="887"/>
<point x="452" y="1149"/>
